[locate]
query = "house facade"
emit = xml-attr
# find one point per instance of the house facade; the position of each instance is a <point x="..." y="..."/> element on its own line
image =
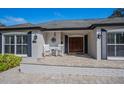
<point x="102" y="39"/>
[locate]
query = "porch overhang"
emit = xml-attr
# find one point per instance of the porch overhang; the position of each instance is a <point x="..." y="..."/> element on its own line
<point x="67" y="29"/>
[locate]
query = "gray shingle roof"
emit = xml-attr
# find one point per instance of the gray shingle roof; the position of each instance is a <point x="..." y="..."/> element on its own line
<point x="22" y="25"/>
<point x="69" y="23"/>
<point x="80" y="23"/>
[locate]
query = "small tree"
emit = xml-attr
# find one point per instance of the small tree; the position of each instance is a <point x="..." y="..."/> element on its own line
<point x="117" y="13"/>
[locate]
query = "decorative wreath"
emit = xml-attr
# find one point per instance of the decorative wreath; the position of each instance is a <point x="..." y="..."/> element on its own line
<point x="53" y="39"/>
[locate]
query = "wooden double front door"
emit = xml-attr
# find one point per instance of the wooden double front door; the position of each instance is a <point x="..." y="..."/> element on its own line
<point x="75" y="44"/>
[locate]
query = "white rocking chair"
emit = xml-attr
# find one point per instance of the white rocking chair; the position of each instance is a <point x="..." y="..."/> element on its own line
<point x="61" y="49"/>
<point x="46" y="50"/>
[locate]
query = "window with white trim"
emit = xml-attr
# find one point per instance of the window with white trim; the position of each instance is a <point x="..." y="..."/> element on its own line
<point x="9" y="44"/>
<point x="15" y="44"/>
<point x="115" y="44"/>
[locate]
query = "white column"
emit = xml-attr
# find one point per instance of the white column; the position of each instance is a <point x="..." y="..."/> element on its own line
<point x="37" y="48"/>
<point x="98" y="44"/>
<point x="40" y="42"/>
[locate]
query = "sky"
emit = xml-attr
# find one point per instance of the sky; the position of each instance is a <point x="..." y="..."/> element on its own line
<point x="12" y="16"/>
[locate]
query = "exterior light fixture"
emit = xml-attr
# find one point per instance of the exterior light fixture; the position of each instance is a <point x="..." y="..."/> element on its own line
<point x="35" y="38"/>
<point x="99" y="36"/>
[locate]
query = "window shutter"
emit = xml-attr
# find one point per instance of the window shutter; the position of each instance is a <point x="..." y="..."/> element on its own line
<point x="104" y="44"/>
<point x="66" y="44"/>
<point x="29" y="47"/>
<point x="86" y="43"/>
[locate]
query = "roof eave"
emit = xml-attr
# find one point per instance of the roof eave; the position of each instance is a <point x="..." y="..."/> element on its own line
<point x="68" y="28"/>
<point x="22" y="28"/>
<point x="106" y="24"/>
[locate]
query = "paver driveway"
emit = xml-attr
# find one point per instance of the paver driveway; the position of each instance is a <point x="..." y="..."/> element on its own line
<point x="13" y="76"/>
<point x="76" y="61"/>
<point x="58" y="70"/>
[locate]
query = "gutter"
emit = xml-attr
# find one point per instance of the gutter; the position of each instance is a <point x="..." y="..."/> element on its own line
<point x="73" y="28"/>
<point x="106" y="24"/>
<point x="21" y="28"/>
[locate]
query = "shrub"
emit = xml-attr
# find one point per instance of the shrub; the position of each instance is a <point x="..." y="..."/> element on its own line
<point x="8" y="61"/>
<point x="3" y="67"/>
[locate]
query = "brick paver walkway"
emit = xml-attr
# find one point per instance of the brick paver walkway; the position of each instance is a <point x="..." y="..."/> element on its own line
<point x="75" y="60"/>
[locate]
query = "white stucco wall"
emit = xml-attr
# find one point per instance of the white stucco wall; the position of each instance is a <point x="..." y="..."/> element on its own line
<point x="92" y="43"/>
<point x="45" y="38"/>
<point x="98" y="44"/>
<point x="37" y="48"/>
<point x="49" y="35"/>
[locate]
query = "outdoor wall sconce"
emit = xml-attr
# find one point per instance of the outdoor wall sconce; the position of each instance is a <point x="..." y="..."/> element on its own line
<point x="99" y="36"/>
<point x="35" y="38"/>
